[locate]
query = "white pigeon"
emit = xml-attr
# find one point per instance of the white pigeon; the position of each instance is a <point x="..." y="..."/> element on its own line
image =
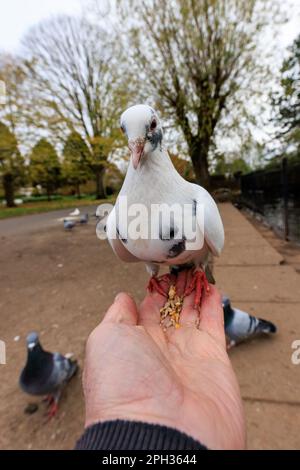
<point x="75" y="212"/>
<point x="152" y="179"/>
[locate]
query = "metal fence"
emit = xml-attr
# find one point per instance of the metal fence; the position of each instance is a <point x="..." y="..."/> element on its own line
<point x="275" y="193"/>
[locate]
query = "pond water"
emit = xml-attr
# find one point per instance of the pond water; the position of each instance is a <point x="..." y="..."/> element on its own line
<point x="273" y="213"/>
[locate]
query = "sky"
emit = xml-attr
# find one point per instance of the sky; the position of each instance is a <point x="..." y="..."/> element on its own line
<point x="17" y="16"/>
<point x="291" y="29"/>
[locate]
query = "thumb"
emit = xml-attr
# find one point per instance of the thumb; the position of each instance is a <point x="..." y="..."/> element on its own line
<point x="123" y="310"/>
<point x="212" y="316"/>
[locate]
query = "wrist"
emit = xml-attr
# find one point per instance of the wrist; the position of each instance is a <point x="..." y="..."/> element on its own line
<point x="135" y="435"/>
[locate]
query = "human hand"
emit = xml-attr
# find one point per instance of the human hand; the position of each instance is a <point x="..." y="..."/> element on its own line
<point x="180" y="378"/>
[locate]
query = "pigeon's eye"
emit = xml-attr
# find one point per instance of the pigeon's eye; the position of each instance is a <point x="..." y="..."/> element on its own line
<point x="122" y="129"/>
<point x="153" y="125"/>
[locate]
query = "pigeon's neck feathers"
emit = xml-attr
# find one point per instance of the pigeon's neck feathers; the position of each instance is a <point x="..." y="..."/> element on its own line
<point x="39" y="363"/>
<point x="156" y="169"/>
<point x="228" y="314"/>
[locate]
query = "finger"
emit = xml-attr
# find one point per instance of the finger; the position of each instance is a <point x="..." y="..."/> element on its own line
<point x="123" y="310"/>
<point x="212" y="316"/>
<point x="189" y="315"/>
<point x="149" y="311"/>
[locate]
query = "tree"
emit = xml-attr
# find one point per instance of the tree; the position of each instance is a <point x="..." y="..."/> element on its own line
<point x="286" y="102"/>
<point x="12" y="74"/>
<point x="12" y="166"/>
<point x="11" y="163"/>
<point x="74" y="168"/>
<point x="229" y="168"/>
<point x="195" y="57"/>
<point x="44" y="167"/>
<point x="16" y="111"/>
<point x="71" y="67"/>
<point x="183" y="166"/>
<point x="113" y="180"/>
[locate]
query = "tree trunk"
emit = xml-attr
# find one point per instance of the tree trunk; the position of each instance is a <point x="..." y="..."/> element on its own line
<point x="199" y="156"/>
<point x="100" y="190"/>
<point x="9" y="190"/>
<point x="78" y="191"/>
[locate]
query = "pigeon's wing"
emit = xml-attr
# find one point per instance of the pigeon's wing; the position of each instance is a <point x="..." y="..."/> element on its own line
<point x="243" y="326"/>
<point x="213" y="225"/>
<point x="239" y="326"/>
<point x="115" y="242"/>
<point x="63" y="370"/>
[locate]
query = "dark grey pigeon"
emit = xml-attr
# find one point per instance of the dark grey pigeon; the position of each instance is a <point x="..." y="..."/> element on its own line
<point x="69" y="224"/>
<point x="84" y="219"/>
<point x="45" y="373"/>
<point x="240" y="326"/>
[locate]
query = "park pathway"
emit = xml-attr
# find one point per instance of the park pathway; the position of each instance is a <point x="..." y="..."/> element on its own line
<point x="26" y="224"/>
<point x="60" y="283"/>
<point x="255" y="277"/>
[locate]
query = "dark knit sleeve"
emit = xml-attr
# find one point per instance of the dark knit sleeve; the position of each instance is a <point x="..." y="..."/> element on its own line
<point x="134" y="435"/>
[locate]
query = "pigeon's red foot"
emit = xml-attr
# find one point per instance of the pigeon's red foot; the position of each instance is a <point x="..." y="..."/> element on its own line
<point x="160" y="284"/>
<point x="52" y="411"/>
<point x="48" y="399"/>
<point x="200" y="285"/>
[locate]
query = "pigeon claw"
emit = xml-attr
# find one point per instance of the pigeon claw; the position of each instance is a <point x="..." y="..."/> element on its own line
<point x="160" y="284"/>
<point x="200" y="285"/>
<point x="48" y="399"/>
<point x="52" y="411"/>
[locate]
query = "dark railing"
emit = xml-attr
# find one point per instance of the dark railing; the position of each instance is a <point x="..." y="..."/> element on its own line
<point x="275" y="193"/>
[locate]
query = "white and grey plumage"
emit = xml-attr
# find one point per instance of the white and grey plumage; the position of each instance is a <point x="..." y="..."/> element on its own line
<point x="240" y="326"/>
<point x="152" y="179"/>
<point x="75" y="213"/>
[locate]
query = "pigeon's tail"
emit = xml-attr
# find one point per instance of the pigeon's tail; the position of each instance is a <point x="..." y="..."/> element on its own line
<point x="73" y="369"/>
<point x="265" y="326"/>
<point x="240" y="326"/>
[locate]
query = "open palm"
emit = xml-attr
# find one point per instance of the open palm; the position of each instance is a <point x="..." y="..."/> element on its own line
<point x="180" y="378"/>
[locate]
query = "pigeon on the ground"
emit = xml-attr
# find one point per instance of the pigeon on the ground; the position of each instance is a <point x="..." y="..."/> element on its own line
<point x="152" y="179"/>
<point x="240" y="326"/>
<point x="84" y="219"/>
<point x="75" y="212"/>
<point x="69" y="224"/>
<point x="45" y="373"/>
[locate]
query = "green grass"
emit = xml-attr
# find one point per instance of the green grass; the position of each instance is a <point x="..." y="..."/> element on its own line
<point x="41" y="205"/>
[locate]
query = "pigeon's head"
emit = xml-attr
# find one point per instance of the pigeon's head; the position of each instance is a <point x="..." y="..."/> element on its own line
<point x="142" y="127"/>
<point x="226" y="302"/>
<point x="32" y="340"/>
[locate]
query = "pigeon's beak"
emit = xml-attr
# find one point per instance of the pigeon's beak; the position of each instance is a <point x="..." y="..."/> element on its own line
<point x="137" y="148"/>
